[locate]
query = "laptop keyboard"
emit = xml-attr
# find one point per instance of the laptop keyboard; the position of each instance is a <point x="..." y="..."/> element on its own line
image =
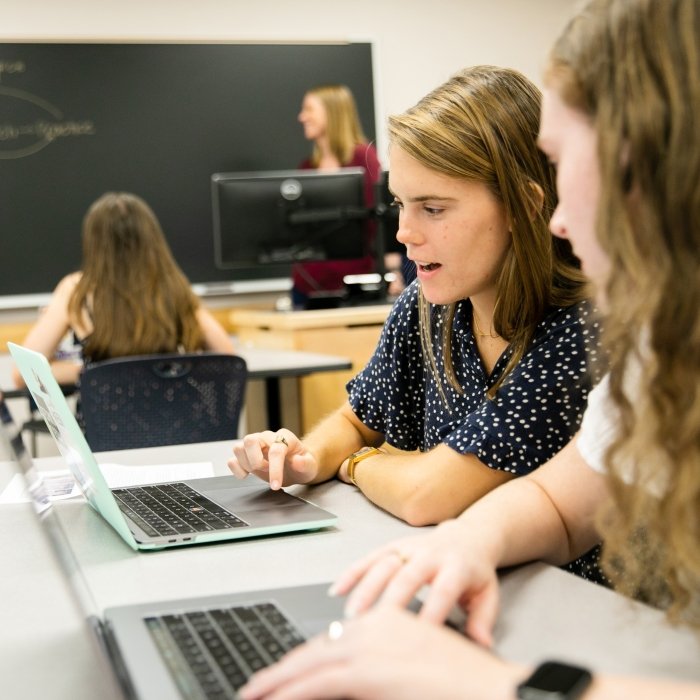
<point x="211" y="653"/>
<point x="173" y="509"/>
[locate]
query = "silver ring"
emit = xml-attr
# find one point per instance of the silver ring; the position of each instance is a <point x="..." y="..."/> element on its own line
<point x="335" y="630"/>
<point x="282" y="439"/>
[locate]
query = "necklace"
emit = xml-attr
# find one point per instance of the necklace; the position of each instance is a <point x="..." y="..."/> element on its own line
<point x="477" y="329"/>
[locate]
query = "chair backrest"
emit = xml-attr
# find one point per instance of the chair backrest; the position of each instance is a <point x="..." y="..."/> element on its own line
<point x="147" y="401"/>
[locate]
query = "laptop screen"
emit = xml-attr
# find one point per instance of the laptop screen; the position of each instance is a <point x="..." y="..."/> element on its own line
<point x="58" y="542"/>
<point x="69" y="438"/>
<point x="48" y="520"/>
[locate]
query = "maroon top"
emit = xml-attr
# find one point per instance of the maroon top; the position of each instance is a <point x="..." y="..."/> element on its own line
<point x="327" y="275"/>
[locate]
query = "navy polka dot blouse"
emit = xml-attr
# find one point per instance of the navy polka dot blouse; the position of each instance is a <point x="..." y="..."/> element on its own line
<point x="534" y="414"/>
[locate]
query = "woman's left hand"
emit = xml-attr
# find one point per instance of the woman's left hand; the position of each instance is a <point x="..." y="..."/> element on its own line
<point x="388" y="653"/>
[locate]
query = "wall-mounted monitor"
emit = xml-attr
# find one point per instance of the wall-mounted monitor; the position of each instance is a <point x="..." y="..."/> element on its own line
<point x="277" y="218"/>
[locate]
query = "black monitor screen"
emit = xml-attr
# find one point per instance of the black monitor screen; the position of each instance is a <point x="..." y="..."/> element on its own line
<point x="387" y="214"/>
<point x="276" y="218"/>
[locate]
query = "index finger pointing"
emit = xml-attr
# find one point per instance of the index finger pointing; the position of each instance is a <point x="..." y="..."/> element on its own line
<point x="276" y="457"/>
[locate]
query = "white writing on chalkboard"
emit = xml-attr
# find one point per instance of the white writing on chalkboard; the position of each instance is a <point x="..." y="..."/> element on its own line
<point x="27" y="134"/>
<point x="46" y="130"/>
<point x="11" y="67"/>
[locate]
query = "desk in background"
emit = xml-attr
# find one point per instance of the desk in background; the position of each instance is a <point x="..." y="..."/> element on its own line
<point x="351" y="332"/>
<point x="545" y="612"/>
<point x="19" y="313"/>
<point x="276" y="372"/>
<point x="282" y="371"/>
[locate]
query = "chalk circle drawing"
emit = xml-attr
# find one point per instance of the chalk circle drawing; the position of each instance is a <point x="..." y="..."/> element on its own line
<point x="29" y="123"/>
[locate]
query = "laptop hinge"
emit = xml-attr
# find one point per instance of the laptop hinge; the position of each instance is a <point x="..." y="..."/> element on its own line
<point x="104" y="636"/>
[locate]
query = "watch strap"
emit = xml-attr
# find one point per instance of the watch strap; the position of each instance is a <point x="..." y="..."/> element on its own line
<point x="357" y="457"/>
<point x="553" y="680"/>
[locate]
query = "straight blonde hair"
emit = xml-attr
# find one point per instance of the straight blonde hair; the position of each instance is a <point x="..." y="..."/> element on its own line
<point x="343" y="123"/>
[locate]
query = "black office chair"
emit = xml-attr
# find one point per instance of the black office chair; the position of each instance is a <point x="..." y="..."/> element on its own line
<point x="147" y="401"/>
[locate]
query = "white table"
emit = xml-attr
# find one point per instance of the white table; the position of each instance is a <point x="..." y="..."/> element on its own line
<point x="44" y="652"/>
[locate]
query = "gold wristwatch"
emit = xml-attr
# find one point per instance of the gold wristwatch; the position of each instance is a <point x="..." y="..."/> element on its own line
<point x="358" y="456"/>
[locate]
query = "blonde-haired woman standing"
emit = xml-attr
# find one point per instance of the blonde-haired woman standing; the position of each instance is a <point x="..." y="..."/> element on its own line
<point x="331" y="122"/>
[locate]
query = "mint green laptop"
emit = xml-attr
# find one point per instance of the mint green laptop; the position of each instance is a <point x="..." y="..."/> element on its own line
<point x="155" y="516"/>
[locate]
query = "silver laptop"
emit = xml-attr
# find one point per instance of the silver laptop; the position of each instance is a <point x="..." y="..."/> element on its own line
<point x="175" y="514"/>
<point x="195" y="649"/>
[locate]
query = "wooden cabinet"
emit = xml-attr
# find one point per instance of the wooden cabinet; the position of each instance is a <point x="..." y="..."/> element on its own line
<point x="350" y="332"/>
<point x="16" y="331"/>
<point x="13" y="332"/>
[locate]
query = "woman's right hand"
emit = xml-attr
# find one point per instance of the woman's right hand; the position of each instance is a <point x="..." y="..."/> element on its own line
<point x="387" y="654"/>
<point x="278" y="457"/>
<point x="451" y="559"/>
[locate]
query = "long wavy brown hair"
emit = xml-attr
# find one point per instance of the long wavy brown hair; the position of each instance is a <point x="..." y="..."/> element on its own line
<point x="137" y="298"/>
<point x="481" y="125"/>
<point x="634" y="67"/>
<point x="343" y="122"/>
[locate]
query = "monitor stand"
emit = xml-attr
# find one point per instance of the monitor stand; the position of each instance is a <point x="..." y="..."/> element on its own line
<point x="355" y="294"/>
<point x="325" y="300"/>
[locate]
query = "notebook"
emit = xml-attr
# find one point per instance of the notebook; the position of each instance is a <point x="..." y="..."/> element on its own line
<point x="162" y="515"/>
<point x="198" y="648"/>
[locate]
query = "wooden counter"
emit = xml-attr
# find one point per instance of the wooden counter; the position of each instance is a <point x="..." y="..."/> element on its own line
<point x="16" y="332"/>
<point x="13" y="332"/>
<point x="350" y="332"/>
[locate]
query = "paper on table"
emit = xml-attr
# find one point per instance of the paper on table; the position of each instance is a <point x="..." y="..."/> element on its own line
<point x="60" y="484"/>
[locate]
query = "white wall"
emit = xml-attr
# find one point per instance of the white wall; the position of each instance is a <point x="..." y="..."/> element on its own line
<point x="417" y="44"/>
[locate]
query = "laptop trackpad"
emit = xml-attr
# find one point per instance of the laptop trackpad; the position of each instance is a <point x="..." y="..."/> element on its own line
<point x="252" y="499"/>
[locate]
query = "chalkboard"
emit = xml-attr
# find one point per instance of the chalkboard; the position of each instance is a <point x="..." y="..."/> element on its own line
<point x="77" y="120"/>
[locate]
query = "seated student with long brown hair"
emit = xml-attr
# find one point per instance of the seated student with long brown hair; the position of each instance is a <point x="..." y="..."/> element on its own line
<point x="129" y="298"/>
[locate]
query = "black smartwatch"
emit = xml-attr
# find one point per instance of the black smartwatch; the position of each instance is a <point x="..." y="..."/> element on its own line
<point x="552" y="680"/>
